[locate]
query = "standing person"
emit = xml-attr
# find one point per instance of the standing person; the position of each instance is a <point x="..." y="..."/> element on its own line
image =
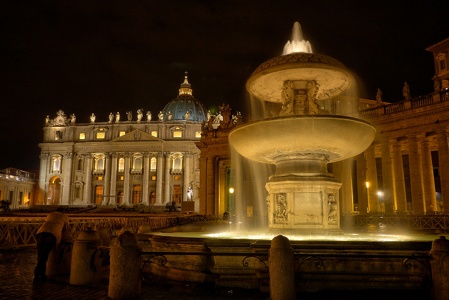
<point x="48" y="238"/>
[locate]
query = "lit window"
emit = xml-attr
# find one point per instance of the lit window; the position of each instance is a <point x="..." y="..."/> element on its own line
<point x="137" y="162"/>
<point x="101" y="135"/>
<point x="177" y="134"/>
<point x="121" y="178"/>
<point x="153" y="177"/>
<point x="154" y="133"/>
<point x="153" y="163"/>
<point x="82" y="136"/>
<point x="121" y="133"/>
<point x="99" y="162"/>
<point x="99" y="178"/>
<point x="198" y="134"/>
<point x="56" y="163"/>
<point x="177" y="162"/>
<point x="121" y="164"/>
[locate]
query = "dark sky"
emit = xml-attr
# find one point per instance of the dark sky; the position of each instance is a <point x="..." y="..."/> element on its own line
<point x="97" y="56"/>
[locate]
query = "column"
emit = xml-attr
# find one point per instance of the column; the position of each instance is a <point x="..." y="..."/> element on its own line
<point x="443" y="161"/>
<point x="430" y="195"/>
<point x="399" y="181"/>
<point x="88" y="186"/>
<point x="210" y="197"/>
<point x="415" y="176"/>
<point x="204" y="184"/>
<point x="43" y="182"/>
<point x="126" y="182"/>
<point x="107" y="179"/>
<point x="66" y="179"/>
<point x="113" y="190"/>
<point x="187" y="172"/>
<point x="159" y="178"/>
<point x="362" y="195"/>
<point x="347" y="200"/>
<point x="371" y="176"/>
<point x="221" y="205"/>
<point x="387" y="176"/>
<point x="167" y="197"/>
<point x="196" y="173"/>
<point x="146" y="178"/>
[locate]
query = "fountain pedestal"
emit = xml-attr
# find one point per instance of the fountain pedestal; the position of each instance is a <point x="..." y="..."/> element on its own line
<point x="309" y="204"/>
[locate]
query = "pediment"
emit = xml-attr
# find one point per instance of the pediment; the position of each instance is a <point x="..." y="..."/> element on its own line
<point x="137" y="136"/>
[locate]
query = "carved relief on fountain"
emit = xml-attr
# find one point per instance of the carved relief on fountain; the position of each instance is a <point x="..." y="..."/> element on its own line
<point x="332" y="217"/>
<point x="280" y="209"/>
<point x="299" y="98"/>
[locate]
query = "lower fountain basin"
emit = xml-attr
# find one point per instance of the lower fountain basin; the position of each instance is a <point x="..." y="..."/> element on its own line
<point x="322" y="137"/>
<point x="327" y="262"/>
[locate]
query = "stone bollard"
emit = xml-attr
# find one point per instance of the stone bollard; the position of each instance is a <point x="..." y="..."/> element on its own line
<point x="439" y="262"/>
<point x="85" y="258"/>
<point x="125" y="277"/>
<point x="282" y="269"/>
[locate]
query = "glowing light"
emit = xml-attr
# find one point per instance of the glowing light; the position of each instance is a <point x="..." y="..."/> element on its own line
<point x="231" y="190"/>
<point x="367" y="184"/>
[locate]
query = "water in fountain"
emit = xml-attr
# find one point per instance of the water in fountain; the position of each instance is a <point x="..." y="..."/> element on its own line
<point x="297" y="44"/>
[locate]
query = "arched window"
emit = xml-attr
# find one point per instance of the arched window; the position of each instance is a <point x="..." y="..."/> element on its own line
<point x="56" y="163"/>
<point x="99" y="162"/>
<point x="121" y="164"/>
<point x="176" y="167"/>
<point x="177" y="161"/>
<point x="137" y="162"/>
<point x="153" y="164"/>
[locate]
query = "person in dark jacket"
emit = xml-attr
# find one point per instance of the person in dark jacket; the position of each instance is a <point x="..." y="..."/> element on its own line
<point x="48" y="238"/>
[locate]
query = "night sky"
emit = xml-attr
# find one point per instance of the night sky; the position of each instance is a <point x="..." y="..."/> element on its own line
<point x="105" y="56"/>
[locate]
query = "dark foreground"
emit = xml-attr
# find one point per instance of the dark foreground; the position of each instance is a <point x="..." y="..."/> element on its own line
<point x="16" y="282"/>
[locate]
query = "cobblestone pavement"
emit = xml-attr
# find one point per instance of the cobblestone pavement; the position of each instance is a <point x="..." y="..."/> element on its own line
<point x="16" y="282"/>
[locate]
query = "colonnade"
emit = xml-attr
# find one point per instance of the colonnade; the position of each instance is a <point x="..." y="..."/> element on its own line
<point x="115" y="181"/>
<point x="394" y="189"/>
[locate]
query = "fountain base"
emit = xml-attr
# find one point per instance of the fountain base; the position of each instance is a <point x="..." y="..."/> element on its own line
<point x="306" y="203"/>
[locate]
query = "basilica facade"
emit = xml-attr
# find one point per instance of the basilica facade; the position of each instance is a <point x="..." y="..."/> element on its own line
<point x="128" y="159"/>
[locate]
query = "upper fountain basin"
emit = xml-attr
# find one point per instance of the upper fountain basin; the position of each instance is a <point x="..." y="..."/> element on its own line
<point x="331" y="75"/>
<point x="272" y="140"/>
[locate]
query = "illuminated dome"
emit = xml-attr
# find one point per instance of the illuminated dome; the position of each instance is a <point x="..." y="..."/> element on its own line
<point x="185" y="106"/>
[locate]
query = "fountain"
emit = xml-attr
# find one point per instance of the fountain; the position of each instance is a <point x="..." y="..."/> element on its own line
<point x="315" y="123"/>
<point x="309" y="119"/>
